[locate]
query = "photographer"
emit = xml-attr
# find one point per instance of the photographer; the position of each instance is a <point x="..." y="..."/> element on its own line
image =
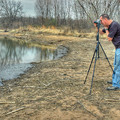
<point x="112" y="29"/>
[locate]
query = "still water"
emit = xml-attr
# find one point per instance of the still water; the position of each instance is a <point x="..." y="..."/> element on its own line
<point x="16" y="57"/>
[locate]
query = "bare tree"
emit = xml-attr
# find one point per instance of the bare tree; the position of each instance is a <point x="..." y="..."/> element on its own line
<point x="76" y="13"/>
<point x="10" y="11"/>
<point x="94" y="8"/>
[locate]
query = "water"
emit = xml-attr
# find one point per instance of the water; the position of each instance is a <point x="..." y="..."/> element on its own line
<point x="16" y="57"/>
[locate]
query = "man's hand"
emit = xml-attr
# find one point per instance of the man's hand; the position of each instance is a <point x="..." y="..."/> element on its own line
<point x="107" y="32"/>
<point x="106" y="28"/>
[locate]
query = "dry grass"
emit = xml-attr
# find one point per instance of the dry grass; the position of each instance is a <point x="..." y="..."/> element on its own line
<point x="52" y="30"/>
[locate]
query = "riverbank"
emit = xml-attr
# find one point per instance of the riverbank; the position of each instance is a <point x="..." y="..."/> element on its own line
<point x="55" y="90"/>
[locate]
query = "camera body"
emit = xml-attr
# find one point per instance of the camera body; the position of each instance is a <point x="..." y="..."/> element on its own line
<point x="97" y="22"/>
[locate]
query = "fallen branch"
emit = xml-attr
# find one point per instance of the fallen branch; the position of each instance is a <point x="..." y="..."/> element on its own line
<point x="31" y="87"/>
<point x="45" y="85"/>
<point x="50" y="84"/>
<point x="4" y="102"/>
<point x="112" y="100"/>
<point x="15" y="110"/>
<point x="36" y="87"/>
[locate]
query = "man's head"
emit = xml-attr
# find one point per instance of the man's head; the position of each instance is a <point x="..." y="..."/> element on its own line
<point x="105" y="20"/>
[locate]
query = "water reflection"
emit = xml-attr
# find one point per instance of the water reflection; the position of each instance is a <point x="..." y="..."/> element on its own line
<point x="12" y="52"/>
<point x="15" y="57"/>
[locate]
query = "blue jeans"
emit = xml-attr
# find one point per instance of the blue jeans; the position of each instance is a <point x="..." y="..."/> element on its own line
<point x="116" y="72"/>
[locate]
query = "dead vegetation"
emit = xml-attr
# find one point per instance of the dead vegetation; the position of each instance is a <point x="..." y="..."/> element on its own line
<point x="51" y="30"/>
<point x="54" y="90"/>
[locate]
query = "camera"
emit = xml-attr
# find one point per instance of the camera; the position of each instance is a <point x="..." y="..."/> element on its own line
<point x="97" y="21"/>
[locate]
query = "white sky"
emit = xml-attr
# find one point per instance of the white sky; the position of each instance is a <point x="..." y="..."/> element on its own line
<point x="28" y="7"/>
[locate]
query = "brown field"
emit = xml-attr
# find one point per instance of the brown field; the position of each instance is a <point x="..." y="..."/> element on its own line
<point x="55" y="90"/>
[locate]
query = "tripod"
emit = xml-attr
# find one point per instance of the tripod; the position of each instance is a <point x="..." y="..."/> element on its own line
<point x="96" y="56"/>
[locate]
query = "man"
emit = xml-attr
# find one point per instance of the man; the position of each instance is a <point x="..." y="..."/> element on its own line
<point x="112" y="29"/>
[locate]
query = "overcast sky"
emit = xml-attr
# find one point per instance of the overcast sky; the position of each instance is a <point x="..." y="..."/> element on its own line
<point x="28" y="7"/>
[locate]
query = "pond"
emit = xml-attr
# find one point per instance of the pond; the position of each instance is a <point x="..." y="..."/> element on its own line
<point x="16" y="57"/>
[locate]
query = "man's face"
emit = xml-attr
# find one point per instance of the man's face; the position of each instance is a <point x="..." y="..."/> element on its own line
<point x="103" y="21"/>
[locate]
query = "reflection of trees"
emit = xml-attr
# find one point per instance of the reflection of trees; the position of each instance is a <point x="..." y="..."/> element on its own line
<point x="43" y="54"/>
<point x="10" y="52"/>
<point x="49" y="54"/>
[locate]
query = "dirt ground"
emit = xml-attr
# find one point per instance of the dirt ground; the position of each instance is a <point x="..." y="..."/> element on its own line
<point x="55" y="90"/>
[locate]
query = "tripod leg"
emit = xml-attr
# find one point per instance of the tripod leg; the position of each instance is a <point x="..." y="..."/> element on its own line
<point x="93" y="72"/>
<point x="90" y="66"/>
<point x="98" y="52"/>
<point x="106" y="56"/>
<point x="91" y="62"/>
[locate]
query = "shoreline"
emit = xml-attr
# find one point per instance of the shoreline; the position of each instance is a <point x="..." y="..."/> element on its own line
<point x="55" y="89"/>
<point x="61" y="51"/>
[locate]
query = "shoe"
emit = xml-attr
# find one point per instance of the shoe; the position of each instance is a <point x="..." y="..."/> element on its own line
<point x="109" y="82"/>
<point x="112" y="88"/>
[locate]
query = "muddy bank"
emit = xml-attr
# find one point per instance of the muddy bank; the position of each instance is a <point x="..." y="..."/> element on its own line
<point x="54" y="90"/>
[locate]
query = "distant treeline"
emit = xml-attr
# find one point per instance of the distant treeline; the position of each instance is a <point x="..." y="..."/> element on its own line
<point x="75" y="14"/>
